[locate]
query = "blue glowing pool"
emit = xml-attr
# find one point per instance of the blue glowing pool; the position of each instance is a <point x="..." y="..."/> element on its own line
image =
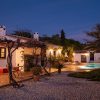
<point x="90" y="66"/>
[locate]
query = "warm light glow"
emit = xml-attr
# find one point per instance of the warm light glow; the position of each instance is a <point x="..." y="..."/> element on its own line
<point x="86" y="54"/>
<point x="87" y="70"/>
<point x="66" y="55"/>
<point x="59" y="50"/>
<point x="50" y="52"/>
<point x="58" y="53"/>
<point x="73" y="54"/>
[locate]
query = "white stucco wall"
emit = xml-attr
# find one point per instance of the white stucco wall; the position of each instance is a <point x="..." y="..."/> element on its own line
<point x="97" y="57"/>
<point x="19" y="57"/>
<point x="16" y="58"/>
<point x="28" y="51"/>
<point x="77" y="57"/>
<point x="14" y="38"/>
<point x="3" y="61"/>
<point x="51" y="48"/>
<point x="11" y="38"/>
<point x="58" y="52"/>
<point x="51" y="51"/>
<point x="31" y="51"/>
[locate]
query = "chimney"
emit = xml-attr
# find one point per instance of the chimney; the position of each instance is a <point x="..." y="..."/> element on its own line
<point x="36" y="36"/>
<point x="2" y="31"/>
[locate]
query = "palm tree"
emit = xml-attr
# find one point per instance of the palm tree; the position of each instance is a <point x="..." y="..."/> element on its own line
<point x="94" y="44"/>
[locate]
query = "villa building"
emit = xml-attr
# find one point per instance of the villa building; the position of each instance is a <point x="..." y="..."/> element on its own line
<point x="87" y="56"/>
<point x="53" y="50"/>
<point x="20" y="53"/>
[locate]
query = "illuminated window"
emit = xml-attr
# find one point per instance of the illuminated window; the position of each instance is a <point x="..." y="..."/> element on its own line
<point x="2" y="52"/>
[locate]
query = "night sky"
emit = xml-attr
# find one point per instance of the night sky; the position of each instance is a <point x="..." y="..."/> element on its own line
<point x="50" y="16"/>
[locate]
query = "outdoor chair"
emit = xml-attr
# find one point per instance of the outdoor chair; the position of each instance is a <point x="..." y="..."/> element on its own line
<point x="16" y="72"/>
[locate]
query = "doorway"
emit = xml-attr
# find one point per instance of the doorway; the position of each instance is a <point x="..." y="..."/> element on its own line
<point x="91" y="56"/>
<point x="83" y="58"/>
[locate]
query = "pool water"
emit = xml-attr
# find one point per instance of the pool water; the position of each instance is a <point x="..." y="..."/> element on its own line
<point x="90" y="66"/>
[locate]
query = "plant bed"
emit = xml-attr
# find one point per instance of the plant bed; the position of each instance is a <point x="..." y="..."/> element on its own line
<point x="93" y="75"/>
<point x="36" y="77"/>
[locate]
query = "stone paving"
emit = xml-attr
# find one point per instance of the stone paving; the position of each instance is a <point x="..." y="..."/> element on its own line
<point x="4" y="78"/>
<point x="55" y="87"/>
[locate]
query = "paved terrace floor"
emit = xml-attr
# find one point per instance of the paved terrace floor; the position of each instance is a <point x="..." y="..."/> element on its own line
<point x="4" y="78"/>
<point x="55" y="87"/>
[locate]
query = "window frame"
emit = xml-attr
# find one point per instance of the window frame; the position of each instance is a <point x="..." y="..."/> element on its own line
<point x="3" y="52"/>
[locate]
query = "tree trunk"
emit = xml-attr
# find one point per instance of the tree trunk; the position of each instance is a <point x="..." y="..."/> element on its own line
<point x="44" y="60"/>
<point x="9" y="61"/>
<point x="12" y="81"/>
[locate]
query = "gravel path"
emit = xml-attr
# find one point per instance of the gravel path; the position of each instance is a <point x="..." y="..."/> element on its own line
<point x="56" y="87"/>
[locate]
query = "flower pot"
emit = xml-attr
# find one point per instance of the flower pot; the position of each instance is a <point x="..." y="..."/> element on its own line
<point x="36" y="77"/>
<point x="59" y="70"/>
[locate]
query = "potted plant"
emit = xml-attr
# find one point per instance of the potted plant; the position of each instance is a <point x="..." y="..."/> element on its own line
<point x="36" y="73"/>
<point x="60" y="66"/>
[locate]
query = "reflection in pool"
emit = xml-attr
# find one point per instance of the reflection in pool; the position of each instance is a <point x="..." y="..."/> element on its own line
<point x="90" y="66"/>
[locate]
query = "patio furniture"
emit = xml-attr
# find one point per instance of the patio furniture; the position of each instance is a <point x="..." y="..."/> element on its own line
<point x="16" y="72"/>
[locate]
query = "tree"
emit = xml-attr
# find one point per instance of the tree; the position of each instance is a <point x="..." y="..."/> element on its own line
<point x="55" y="39"/>
<point x="24" y="33"/>
<point x="62" y="37"/>
<point x="55" y="36"/>
<point x="94" y="44"/>
<point x="11" y="47"/>
<point x="35" y="45"/>
<point x="70" y="54"/>
<point x="62" y="41"/>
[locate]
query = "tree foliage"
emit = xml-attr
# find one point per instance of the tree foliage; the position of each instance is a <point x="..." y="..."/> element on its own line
<point x="94" y="44"/>
<point x="23" y="33"/>
<point x="57" y="39"/>
<point x="70" y="54"/>
<point x="69" y="45"/>
<point x="62" y="37"/>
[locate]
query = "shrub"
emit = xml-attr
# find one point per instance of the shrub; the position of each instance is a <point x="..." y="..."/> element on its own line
<point x="92" y="75"/>
<point x="36" y="70"/>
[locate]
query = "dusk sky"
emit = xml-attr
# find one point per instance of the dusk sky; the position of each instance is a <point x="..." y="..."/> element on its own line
<point x="50" y="16"/>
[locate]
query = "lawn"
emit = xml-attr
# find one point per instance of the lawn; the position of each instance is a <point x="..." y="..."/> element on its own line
<point x="93" y="75"/>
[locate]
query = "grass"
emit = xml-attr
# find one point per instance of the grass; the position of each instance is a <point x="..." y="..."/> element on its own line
<point x="93" y="75"/>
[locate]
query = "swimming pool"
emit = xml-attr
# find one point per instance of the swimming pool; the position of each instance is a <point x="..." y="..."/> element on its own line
<point x="90" y="66"/>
